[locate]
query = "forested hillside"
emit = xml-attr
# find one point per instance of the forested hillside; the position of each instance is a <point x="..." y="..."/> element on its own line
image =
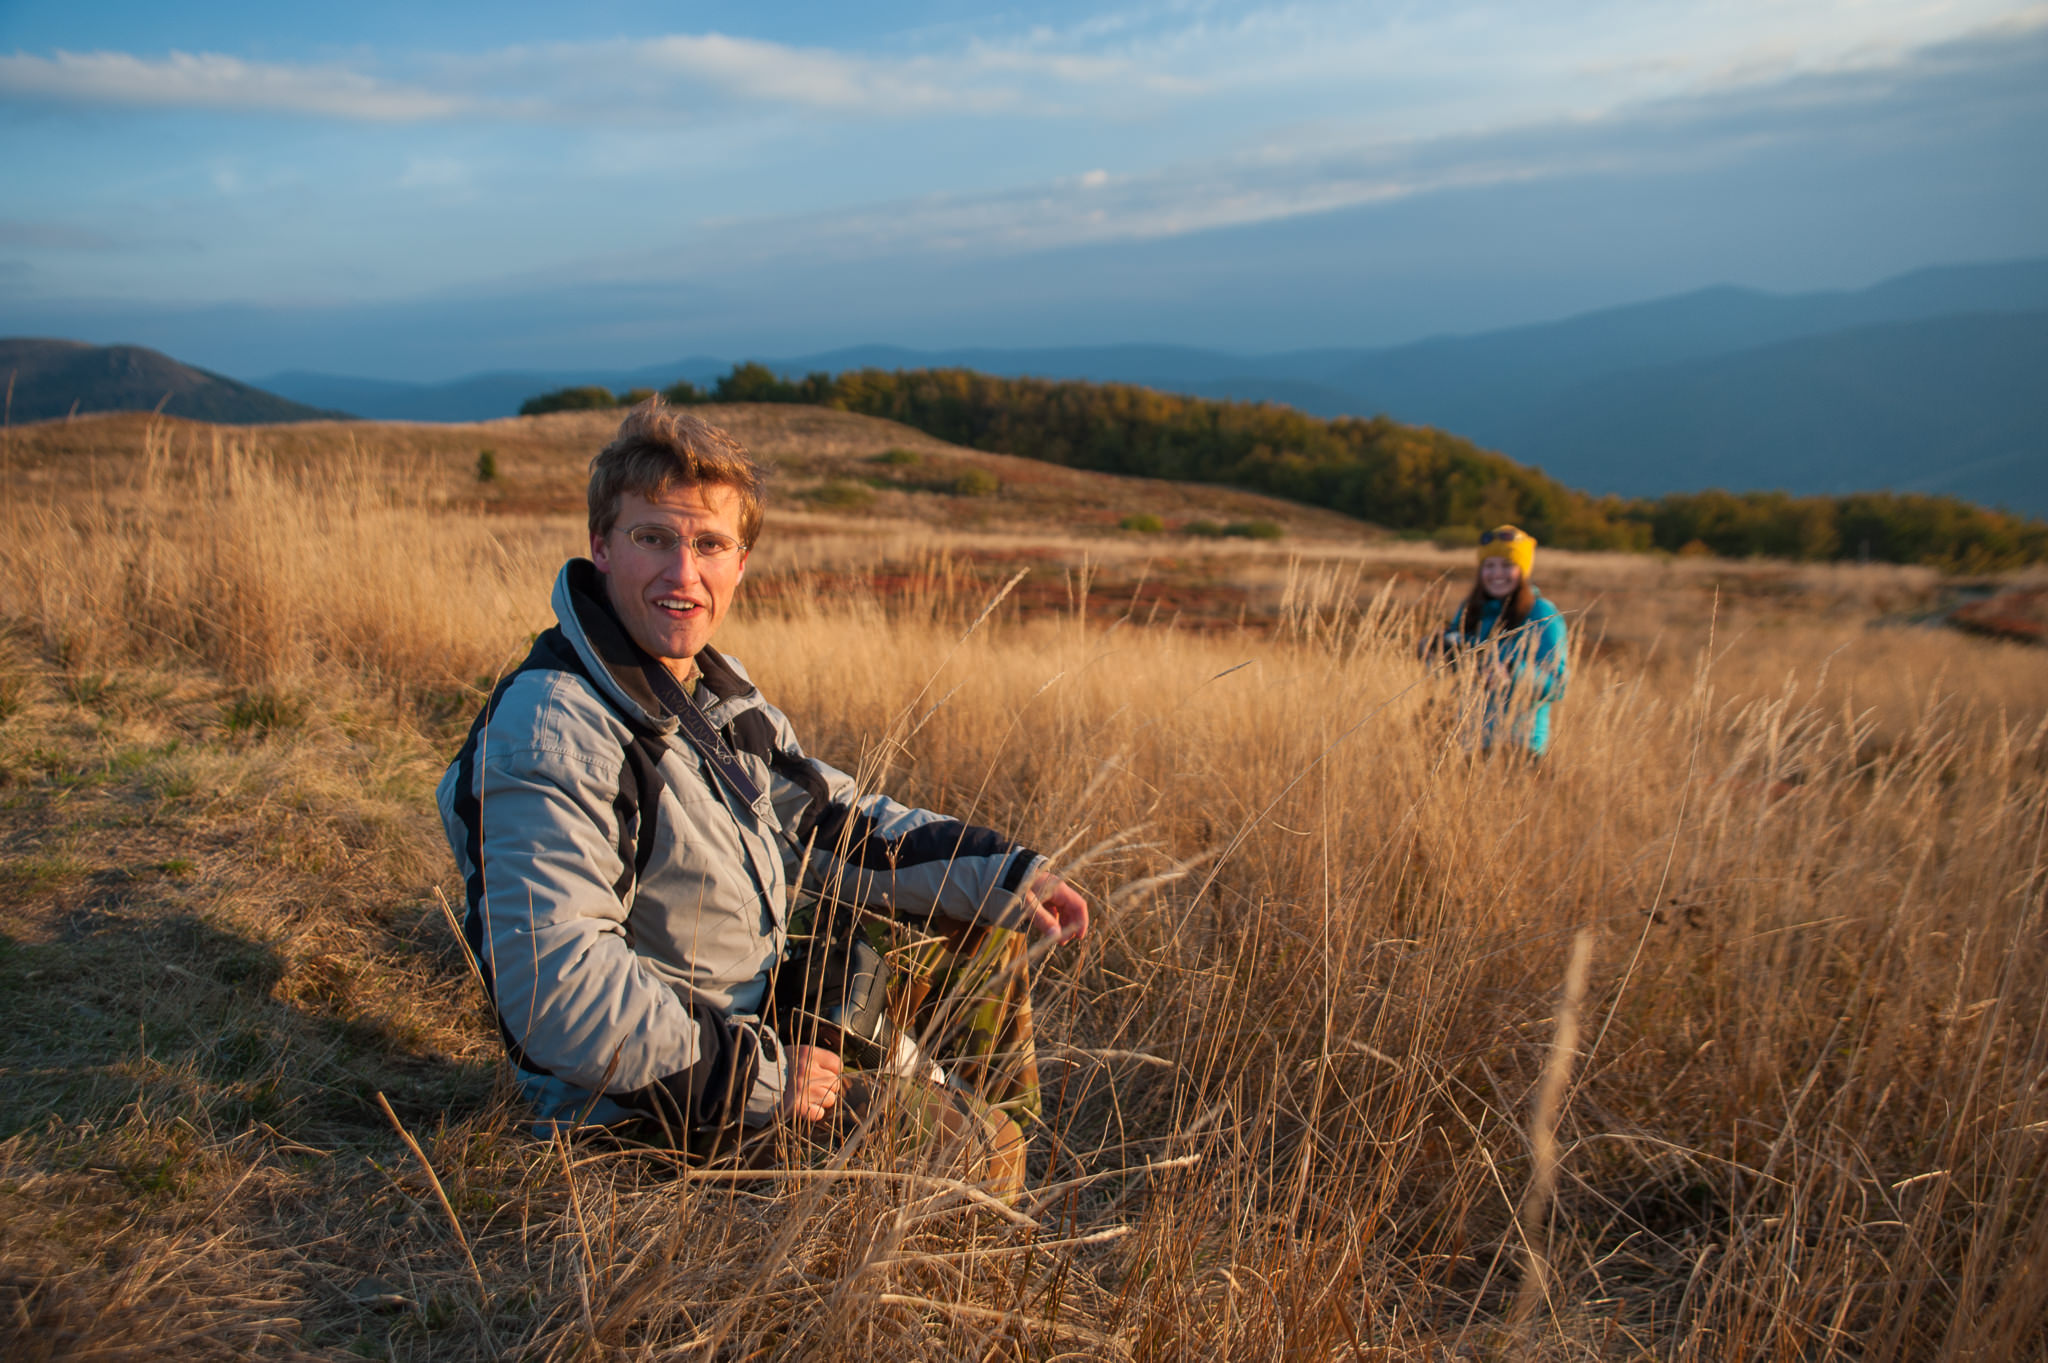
<point x="1374" y="468"/>
<point x="1411" y="478"/>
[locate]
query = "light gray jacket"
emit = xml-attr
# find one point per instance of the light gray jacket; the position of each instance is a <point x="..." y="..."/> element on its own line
<point x="627" y="990"/>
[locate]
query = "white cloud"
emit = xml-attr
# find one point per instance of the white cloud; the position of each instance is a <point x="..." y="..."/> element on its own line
<point x="1276" y="180"/>
<point x="813" y="77"/>
<point x="696" y="74"/>
<point x="209" y="80"/>
<point x="1167" y="203"/>
<point x="1460" y="64"/>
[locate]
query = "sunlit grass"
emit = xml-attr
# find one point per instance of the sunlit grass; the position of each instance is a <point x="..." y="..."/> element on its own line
<point x="1291" y="1074"/>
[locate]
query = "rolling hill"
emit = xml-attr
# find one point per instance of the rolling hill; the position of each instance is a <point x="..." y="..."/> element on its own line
<point x="52" y="378"/>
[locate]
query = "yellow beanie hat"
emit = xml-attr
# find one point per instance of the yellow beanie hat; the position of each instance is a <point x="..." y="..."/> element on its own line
<point x="1516" y="546"/>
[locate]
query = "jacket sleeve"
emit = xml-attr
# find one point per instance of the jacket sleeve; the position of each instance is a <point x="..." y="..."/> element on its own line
<point x="871" y="850"/>
<point x="530" y="808"/>
<point x="1541" y="671"/>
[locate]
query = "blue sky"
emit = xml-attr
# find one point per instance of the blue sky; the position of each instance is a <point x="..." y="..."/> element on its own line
<point x="426" y="190"/>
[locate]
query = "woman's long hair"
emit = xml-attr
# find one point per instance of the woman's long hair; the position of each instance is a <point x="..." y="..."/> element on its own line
<point x="1514" y="611"/>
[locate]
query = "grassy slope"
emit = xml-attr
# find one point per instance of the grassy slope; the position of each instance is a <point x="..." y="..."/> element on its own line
<point x="542" y="460"/>
<point x="1808" y="855"/>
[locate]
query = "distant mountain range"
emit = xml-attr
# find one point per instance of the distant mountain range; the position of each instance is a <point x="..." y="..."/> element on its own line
<point x="1936" y="381"/>
<point x="47" y="379"/>
<point x="1932" y="382"/>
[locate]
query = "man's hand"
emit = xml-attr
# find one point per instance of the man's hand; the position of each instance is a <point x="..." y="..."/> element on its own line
<point x="1057" y="908"/>
<point x="811" y="1082"/>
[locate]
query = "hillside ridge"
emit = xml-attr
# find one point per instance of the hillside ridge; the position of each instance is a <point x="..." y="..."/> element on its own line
<point x="49" y="378"/>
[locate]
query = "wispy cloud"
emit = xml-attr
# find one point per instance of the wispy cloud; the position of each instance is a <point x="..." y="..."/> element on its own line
<point x="1655" y="137"/>
<point x="629" y="79"/>
<point x="1096" y="206"/>
<point x="694" y="74"/>
<point x="689" y="75"/>
<point x="813" y="77"/>
<point x="979" y="139"/>
<point x="1451" y="64"/>
<point x="209" y="80"/>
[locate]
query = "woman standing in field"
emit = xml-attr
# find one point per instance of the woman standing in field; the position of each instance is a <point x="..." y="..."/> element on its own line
<point x="1515" y="638"/>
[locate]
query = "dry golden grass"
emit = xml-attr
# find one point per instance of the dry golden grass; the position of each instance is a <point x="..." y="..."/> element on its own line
<point x="1292" y="1074"/>
<point x="542" y="465"/>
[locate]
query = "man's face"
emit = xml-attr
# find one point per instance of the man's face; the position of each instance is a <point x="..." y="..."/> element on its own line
<point x="671" y="599"/>
<point x="1499" y="576"/>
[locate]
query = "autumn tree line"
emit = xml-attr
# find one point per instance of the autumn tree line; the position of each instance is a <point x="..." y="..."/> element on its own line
<point x="1408" y="478"/>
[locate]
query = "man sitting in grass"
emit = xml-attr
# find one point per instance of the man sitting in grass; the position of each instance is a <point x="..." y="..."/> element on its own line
<point x="631" y="817"/>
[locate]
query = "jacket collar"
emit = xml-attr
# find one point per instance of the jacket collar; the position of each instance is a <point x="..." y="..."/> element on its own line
<point x="615" y="661"/>
<point x="720" y="676"/>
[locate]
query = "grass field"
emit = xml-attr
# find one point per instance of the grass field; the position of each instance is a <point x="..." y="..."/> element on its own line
<point x="1722" y="1036"/>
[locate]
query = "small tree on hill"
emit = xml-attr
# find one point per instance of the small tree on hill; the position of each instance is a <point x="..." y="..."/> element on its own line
<point x="589" y="397"/>
<point x="754" y="382"/>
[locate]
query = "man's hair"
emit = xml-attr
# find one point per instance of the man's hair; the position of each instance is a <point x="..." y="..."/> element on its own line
<point x="657" y="448"/>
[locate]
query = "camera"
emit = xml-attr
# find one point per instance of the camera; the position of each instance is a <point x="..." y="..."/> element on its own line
<point x="834" y="992"/>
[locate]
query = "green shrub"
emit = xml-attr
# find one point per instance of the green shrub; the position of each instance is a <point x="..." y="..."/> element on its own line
<point x="1254" y="530"/>
<point x="977" y="483"/>
<point x="898" y="457"/>
<point x="263" y="710"/>
<point x="633" y="397"/>
<point x="1142" y="521"/>
<point x="1203" y="528"/>
<point x="587" y="398"/>
<point x="1456" y="536"/>
<point x="683" y="393"/>
<point x="841" y="494"/>
<point x="487" y="466"/>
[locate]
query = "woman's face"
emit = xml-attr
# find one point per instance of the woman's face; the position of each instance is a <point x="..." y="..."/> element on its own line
<point x="1499" y="577"/>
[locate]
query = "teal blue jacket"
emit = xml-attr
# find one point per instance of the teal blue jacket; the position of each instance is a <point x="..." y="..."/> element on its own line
<point x="1534" y="656"/>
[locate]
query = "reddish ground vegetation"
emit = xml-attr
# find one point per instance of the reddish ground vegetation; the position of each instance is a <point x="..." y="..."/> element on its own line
<point x="2019" y="613"/>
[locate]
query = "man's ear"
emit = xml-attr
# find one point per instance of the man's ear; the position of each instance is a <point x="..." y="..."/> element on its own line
<point x="600" y="552"/>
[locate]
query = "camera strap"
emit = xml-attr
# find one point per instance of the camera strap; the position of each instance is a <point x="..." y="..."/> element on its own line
<point x="704" y="739"/>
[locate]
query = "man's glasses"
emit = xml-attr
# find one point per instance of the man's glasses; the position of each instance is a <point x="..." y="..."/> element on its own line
<point x="705" y="544"/>
<point x="1499" y="536"/>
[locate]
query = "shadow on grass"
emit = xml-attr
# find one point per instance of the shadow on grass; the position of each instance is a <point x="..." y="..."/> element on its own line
<point x="183" y="1018"/>
<point x="182" y="1108"/>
